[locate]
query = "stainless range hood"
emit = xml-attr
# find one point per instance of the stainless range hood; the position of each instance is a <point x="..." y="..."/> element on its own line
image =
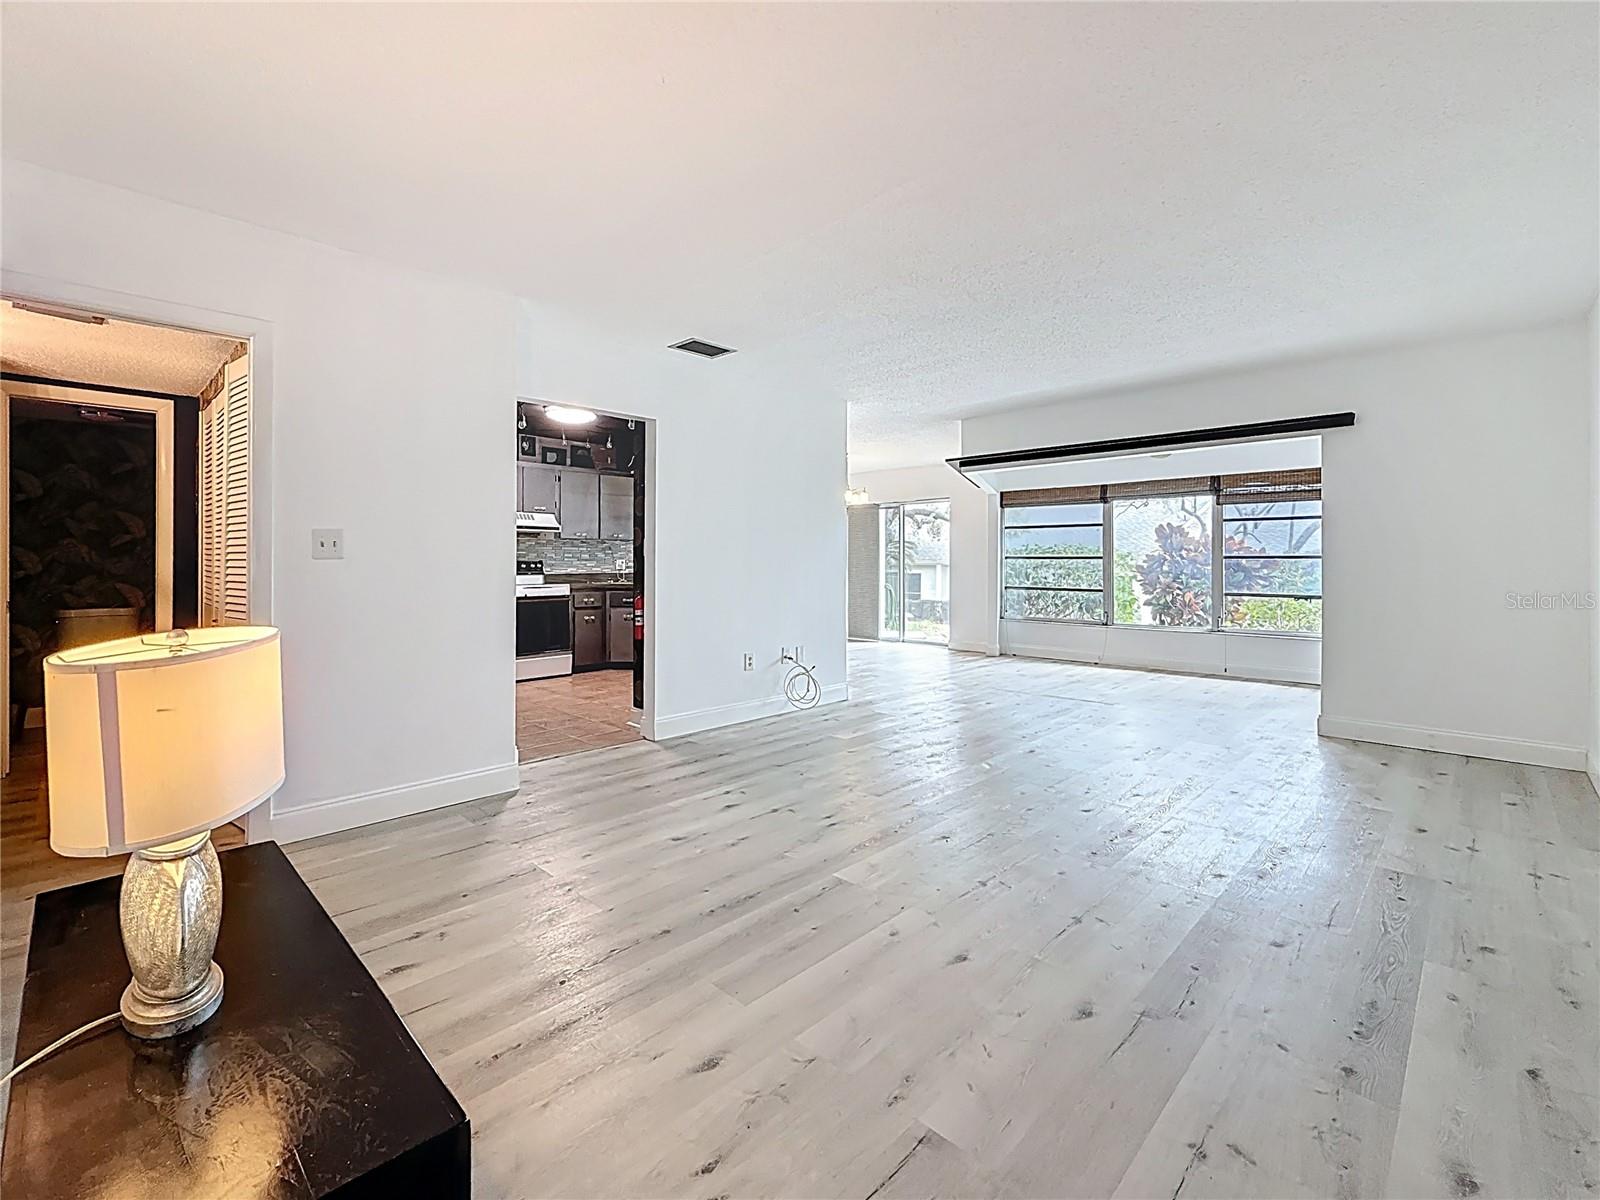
<point x="539" y="521"/>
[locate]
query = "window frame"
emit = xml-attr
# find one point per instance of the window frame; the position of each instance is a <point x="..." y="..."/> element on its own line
<point x="1211" y="625"/>
<point x="1219" y="560"/>
<point x="1103" y="525"/>
<point x="1219" y="583"/>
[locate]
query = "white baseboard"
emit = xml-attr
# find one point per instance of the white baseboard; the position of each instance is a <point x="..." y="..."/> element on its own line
<point x="1275" y="675"/>
<point x="990" y="648"/>
<point x="1449" y="741"/>
<point x="699" y="720"/>
<point x="368" y="808"/>
<point x="1172" y="666"/>
<point x="1059" y="653"/>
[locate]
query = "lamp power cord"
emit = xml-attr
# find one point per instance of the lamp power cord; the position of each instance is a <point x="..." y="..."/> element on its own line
<point x="57" y="1044"/>
<point x="801" y="687"/>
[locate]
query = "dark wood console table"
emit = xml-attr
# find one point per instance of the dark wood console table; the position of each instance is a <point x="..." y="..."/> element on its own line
<point x="305" y="1083"/>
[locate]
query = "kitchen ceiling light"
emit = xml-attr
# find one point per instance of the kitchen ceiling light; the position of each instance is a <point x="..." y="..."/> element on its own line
<point x="568" y="416"/>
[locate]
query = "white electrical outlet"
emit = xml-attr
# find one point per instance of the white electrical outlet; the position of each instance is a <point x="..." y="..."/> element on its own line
<point x="800" y="653"/>
<point x="749" y="662"/>
<point x="327" y="543"/>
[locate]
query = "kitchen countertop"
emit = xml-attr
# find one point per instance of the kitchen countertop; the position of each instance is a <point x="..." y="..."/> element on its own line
<point x="590" y="581"/>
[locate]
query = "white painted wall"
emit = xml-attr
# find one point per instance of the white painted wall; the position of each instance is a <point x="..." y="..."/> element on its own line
<point x="388" y="393"/>
<point x="747" y="550"/>
<point x="1594" y="545"/>
<point x="387" y="400"/>
<point x="974" y="525"/>
<point x="1192" y="651"/>
<point x="1437" y="424"/>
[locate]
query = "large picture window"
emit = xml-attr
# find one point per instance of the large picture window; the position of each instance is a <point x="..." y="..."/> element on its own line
<point x="1163" y="560"/>
<point x="1230" y="552"/>
<point x="1053" y="566"/>
<point x="1272" y="552"/>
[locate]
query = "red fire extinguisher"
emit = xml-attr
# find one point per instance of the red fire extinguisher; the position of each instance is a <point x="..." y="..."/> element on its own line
<point x="638" y="617"/>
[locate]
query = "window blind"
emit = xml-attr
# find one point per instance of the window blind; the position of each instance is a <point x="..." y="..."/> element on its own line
<point x="1270" y="487"/>
<point x="1254" y="487"/>
<point x="1038" y="497"/>
<point x="1151" y="488"/>
<point x="863" y="567"/>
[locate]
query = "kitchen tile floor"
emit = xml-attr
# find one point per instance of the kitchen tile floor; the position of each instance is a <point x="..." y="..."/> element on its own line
<point x="575" y="712"/>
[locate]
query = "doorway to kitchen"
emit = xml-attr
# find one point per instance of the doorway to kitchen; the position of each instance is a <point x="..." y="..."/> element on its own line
<point x="581" y="503"/>
<point x="900" y="572"/>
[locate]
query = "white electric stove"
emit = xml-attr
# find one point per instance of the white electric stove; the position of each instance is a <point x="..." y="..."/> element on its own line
<point x="544" y="624"/>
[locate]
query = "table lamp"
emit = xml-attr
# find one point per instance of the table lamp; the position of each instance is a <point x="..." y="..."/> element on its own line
<point x="154" y="741"/>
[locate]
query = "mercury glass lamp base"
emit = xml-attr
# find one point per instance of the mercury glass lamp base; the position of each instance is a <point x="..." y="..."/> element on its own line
<point x="171" y="913"/>
<point x="152" y="1019"/>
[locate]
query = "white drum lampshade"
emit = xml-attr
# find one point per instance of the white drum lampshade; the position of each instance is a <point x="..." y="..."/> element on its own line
<point x="154" y="741"/>
<point x="151" y="740"/>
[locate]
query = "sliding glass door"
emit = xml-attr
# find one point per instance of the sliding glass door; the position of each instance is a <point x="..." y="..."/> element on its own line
<point x="914" y="572"/>
<point x="891" y="578"/>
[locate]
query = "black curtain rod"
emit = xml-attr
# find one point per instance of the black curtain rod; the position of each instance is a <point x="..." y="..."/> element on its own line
<point x="1157" y="441"/>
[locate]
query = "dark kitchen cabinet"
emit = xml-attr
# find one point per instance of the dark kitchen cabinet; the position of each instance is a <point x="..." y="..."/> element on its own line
<point x="588" y="630"/>
<point x="619" y="626"/>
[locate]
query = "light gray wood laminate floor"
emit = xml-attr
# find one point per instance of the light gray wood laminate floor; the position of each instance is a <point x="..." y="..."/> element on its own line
<point x="999" y="927"/>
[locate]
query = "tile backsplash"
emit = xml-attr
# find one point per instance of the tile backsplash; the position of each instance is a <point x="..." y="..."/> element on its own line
<point x="576" y="555"/>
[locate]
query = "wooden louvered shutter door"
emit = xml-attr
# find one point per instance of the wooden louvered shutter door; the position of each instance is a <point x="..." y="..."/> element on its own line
<point x="225" y="501"/>
<point x="235" y="457"/>
<point x="210" y="512"/>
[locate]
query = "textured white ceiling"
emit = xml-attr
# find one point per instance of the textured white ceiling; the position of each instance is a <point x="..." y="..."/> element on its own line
<point x="118" y="353"/>
<point x="936" y="209"/>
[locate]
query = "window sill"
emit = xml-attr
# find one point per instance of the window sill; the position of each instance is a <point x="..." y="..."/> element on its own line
<point x="1057" y="621"/>
<point x="1250" y="633"/>
<point x="1274" y="633"/>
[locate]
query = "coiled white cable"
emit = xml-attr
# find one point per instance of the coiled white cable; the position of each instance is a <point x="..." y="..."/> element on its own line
<point x="800" y="686"/>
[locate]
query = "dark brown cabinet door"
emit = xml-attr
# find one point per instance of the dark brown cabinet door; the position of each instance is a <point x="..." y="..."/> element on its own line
<point x="588" y="629"/>
<point x="619" y="629"/>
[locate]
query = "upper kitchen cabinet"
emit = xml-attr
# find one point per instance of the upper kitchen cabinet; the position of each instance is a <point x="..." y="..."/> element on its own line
<point x="616" y="506"/>
<point x="580" y="504"/>
<point x="538" y="488"/>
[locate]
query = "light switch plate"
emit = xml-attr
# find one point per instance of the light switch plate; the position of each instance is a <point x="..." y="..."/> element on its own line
<point x="327" y="543"/>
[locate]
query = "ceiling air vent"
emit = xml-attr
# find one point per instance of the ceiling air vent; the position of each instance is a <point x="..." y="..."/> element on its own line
<point x="703" y="349"/>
